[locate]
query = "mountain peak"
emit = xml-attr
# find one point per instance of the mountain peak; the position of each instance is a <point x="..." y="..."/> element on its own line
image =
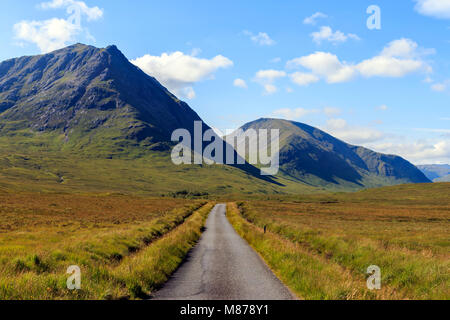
<point x="81" y="90"/>
<point x="316" y="157"/>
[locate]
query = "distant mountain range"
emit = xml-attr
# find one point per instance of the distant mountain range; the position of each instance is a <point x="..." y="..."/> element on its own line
<point x="87" y="119"/>
<point x="314" y="157"/>
<point x="436" y="172"/>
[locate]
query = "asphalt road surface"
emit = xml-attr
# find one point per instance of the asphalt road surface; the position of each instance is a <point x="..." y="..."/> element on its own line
<point x="222" y="266"/>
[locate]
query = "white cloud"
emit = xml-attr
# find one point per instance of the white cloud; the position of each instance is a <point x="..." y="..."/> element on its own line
<point x="262" y="38"/>
<point x="275" y="60"/>
<point x="270" y="74"/>
<point x="418" y="152"/>
<point x="293" y="114"/>
<point x="388" y="67"/>
<point x="439" y="87"/>
<point x="303" y="79"/>
<point x="187" y="93"/>
<point x="399" y="58"/>
<point x="326" y="34"/>
<point x="92" y="13"/>
<point x="270" y="89"/>
<point x="240" y="83"/>
<point x="48" y="35"/>
<point x="56" y="33"/>
<point x="312" y="19"/>
<point x="352" y="134"/>
<point x="179" y="72"/>
<point x="325" y="65"/>
<point x="331" y="111"/>
<point x="383" y="107"/>
<point x="434" y="8"/>
<point x="266" y="78"/>
<point x="402" y="48"/>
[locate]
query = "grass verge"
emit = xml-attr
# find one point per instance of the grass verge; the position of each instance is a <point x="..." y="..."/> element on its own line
<point x="336" y="271"/>
<point x="45" y="236"/>
<point x="144" y="273"/>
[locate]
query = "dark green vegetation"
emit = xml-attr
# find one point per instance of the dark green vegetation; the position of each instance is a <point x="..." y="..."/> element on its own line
<point x="436" y="172"/>
<point x="321" y="245"/>
<point x="314" y="157"/>
<point x="83" y="119"/>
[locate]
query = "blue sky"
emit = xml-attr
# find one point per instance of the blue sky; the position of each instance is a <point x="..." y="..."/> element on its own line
<point x="236" y="61"/>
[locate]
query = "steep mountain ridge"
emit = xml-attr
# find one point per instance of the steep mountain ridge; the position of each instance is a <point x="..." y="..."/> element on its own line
<point x="317" y="158"/>
<point x="85" y="118"/>
<point x="83" y="90"/>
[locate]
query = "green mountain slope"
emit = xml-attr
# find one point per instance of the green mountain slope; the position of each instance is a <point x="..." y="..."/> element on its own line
<point x="314" y="157"/>
<point x="85" y="119"/>
<point x="95" y="98"/>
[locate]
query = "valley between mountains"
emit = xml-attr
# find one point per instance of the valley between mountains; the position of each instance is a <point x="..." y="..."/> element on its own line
<point x="86" y="179"/>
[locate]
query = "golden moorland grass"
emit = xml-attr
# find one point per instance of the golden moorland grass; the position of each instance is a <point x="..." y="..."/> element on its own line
<point x="43" y="234"/>
<point x="321" y="245"/>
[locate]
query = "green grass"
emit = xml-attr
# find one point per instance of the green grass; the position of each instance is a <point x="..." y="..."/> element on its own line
<point x="44" y="163"/>
<point x="403" y="230"/>
<point x="42" y="235"/>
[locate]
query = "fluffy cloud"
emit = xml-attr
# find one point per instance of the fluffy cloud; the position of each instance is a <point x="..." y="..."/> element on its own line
<point x="270" y="75"/>
<point x="383" y="107"/>
<point x="434" y="8"/>
<point x="270" y="88"/>
<point x="352" y="134"/>
<point x="303" y="79"/>
<point x="262" y="38"/>
<point x="388" y="67"/>
<point x="240" y="83"/>
<point x="56" y="33"/>
<point x="402" y="48"/>
<point x="327" y="34"/>
<point x="48" y="35"/>
<point x="267" y="77"/>
<point x="179" y="72"/>
<point x="419" y="152"/>
<point x="72" y="6"/>
<point x="293" y="114"/>
<point x="325" y="65"/>
<point x="399" y="58"/>
<point x="312" y="19"/>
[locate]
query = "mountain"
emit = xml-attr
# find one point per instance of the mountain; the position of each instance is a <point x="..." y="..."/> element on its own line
<point x="88" y="94"/>
<point x="85" y="118"/>
<point x="436" y="172"/>
<point x="314" y="157"/>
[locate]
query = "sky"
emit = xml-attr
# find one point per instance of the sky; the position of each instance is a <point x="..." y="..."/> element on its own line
<point x="372" y="73"/>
